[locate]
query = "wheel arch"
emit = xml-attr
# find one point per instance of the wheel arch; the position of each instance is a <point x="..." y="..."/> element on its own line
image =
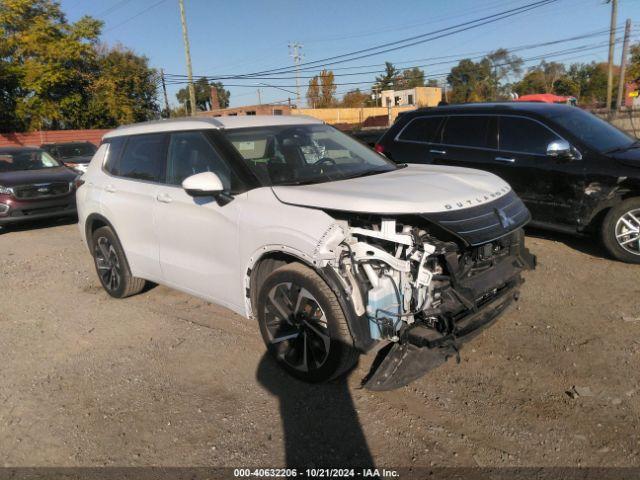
<point x="95" y="221"/>
<point x="270" y="258"/>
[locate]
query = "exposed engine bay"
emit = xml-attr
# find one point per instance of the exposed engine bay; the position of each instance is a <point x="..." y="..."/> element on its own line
<point x="420" y="288"/>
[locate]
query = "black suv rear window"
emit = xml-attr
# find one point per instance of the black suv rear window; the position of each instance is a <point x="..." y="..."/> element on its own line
<point x="467" y="131"/>
<point x="421" y="129"/>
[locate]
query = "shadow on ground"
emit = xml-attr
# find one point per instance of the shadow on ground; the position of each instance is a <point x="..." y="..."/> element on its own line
<point x="320" y="422"/>
<point x="589" y="244"/>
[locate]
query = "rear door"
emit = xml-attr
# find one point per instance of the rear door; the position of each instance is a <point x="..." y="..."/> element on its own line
<point x="135" y="167"/>
<point x="551" y="188"/>
<point x="413" y="143"/>
<point x="465" y="141"/>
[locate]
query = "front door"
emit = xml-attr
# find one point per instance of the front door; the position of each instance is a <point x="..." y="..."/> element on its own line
<point x="551" y="188"/>
<point x="198" y="238"/>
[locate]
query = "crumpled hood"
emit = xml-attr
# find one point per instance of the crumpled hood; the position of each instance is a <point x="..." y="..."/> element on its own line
<point x="413" y="189"/>
<point x="629" y="157"/>
<point x="43" y="175"/>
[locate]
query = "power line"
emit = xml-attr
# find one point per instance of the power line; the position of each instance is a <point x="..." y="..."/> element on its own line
<point x="142" y="12"/>
<point x="449" y="57"/>
<point x="417" y="39"/>
<point x="112" y="8"/>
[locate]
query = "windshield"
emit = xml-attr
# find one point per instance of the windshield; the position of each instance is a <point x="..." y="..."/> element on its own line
<point x="75" y="150"/>
<point x="593" y="131"/>
<point x="14" y="161"/>
<point x="303" y="154"/>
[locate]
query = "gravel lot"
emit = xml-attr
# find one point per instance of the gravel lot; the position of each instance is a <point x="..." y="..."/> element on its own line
<point x="163" y="378"/>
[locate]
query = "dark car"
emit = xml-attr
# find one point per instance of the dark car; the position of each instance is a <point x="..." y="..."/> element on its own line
<point x="76" y="155"/>
<point x="34" y="185"/>
<point x="575" y="172"/>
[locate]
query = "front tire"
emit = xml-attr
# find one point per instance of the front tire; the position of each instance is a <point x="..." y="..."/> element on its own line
<point x="112" y="266"/>
<point x="303" y="325"/>
<point x="621" y="231"/>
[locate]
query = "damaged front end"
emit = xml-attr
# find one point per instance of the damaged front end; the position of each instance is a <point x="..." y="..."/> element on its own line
<point x="423" y="284"/>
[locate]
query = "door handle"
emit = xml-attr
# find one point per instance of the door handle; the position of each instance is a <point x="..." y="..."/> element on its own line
<point x="163" y="198"/>
<point x="506" y="159"/>
<point x="110" y="188"/>
<point x="439" y="152"/>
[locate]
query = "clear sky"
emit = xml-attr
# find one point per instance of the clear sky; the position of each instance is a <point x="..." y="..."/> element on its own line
<point x="243" y="36"/>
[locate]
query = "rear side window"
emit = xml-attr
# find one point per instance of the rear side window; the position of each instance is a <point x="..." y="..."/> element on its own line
<point x="143" y="158"/>
<point x="191" y="153"/>
<point x="525" y="136"/>
<point x="421" y="129"/>
<point x="467" y="131"/>
<point x="113" y="154"/>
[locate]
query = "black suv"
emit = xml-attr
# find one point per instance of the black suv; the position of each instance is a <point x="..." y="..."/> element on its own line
<point x="575" y="172"/>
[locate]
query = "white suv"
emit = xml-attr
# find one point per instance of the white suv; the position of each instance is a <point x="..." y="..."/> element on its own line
<point x="331" y="247"/>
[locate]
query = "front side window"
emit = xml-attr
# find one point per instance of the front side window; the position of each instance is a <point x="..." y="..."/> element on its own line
<point x="143" y="158"/>
<point x="302" y="154"/>
<point x="467" y="131"/>
<point x="522" y="135"/>
<point x="19" y="160"/>
<point x="421" y="129"/>
<point x="191" y="153"/>
<point x="592" y="131"/>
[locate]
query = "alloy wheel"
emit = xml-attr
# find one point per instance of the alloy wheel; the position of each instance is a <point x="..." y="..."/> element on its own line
<point x="297" y="327"/>
<point x="108" y="264"/>
<point x="628" y="231"/>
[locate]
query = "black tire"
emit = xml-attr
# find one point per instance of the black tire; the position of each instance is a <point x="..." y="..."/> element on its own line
<point x="112" y="266"/>
<point x="614" y="238"/>
<point x="312" y="332"/>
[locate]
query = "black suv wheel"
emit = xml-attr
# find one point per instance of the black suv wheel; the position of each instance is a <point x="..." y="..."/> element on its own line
<point x="303" y="326"/>
<point x="112" y="266"/>
<point x="621" y="231"/>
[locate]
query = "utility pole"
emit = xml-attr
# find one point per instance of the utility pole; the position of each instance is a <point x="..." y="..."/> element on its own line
<point x="623" y="63"/>
<point x="612" y="40"/>
<point x="294" y="52"/>
<point x="164" y="91"/>
<point x="187" y="52"/>
<point x="259" y="98"/>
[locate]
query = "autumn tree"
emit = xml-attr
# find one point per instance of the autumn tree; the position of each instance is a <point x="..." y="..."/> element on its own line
<point x="504" y="66"/>
<point x="470" y="81"/>
<point x="633" y="70"/>
<point x="409" y="78"/>
<point x="321" y="90"/>
<point x="355" y="98"/>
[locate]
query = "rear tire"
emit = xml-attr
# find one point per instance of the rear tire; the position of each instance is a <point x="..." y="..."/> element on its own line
<point x="303" y="325"/>
<point x="621" y="231"/>
<point x="112" y="266"/>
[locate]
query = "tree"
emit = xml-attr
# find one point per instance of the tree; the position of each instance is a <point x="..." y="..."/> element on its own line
<point x="321" y="90"/>
<point x="410" y="78"/>
<point x="504" y="66"/>
<point x="470" y="81"/>
<point x="203" y="95"/>
<point x="355" y="98"/>
<point x="55" y="75"/>
<point x="124" y="90"/>
<point x="387" y="80"/>
<point x="633" y="70"/>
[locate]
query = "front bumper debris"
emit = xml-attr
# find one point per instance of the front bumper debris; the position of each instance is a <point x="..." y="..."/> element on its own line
<point x="424" y="349"/>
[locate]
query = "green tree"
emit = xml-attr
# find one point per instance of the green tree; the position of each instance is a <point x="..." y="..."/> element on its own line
<point x="123" y="91"/>
<point x="504" y="66"/>
<point x="203" y="95"/>
<point x="410" y="78"/>
<point x="470" y="81"/>
<point x="388" y="79"/>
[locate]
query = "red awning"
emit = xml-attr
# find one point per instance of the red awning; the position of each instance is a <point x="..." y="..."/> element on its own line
<point x="543" y="97"/>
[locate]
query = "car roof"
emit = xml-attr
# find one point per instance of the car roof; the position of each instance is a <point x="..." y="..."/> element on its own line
<point x="212" y="123"/>
<point x="538" y="108"/>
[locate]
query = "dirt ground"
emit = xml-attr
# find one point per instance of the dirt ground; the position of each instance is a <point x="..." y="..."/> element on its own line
<point x="163" y="378"/>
